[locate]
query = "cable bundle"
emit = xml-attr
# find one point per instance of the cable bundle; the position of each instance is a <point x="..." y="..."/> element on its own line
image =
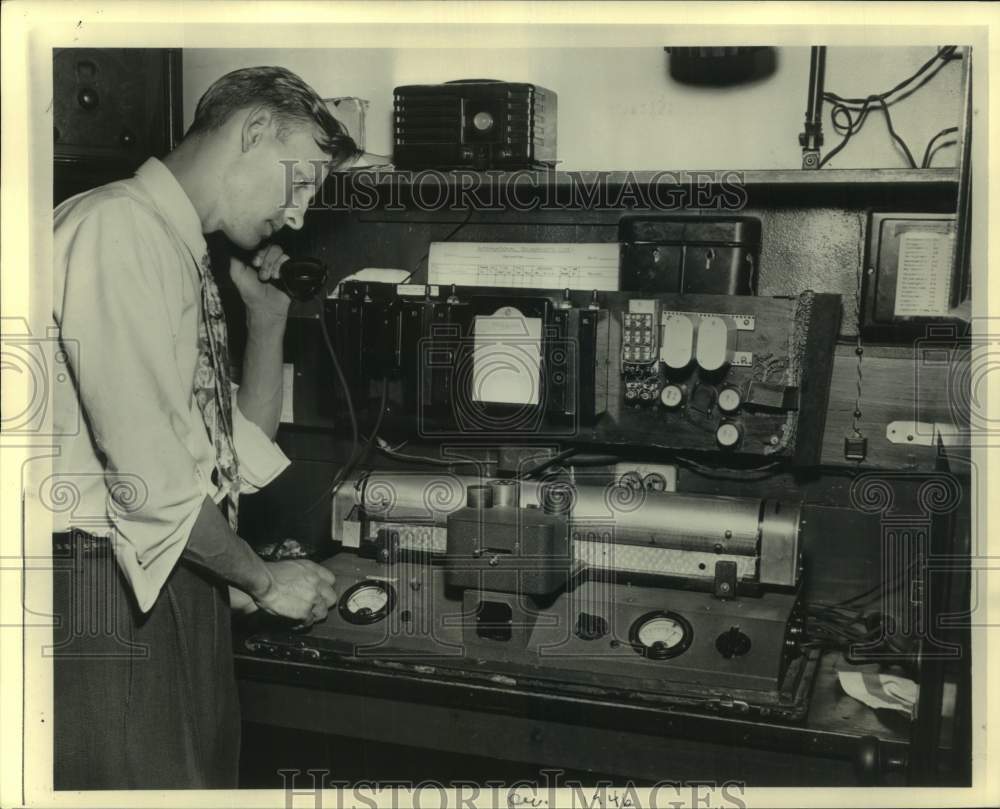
<point x="845" y="109"/>
<point x="842" y="627"/>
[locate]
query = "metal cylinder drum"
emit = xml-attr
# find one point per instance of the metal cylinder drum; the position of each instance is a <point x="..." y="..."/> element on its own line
<point x="506" y="493"/>
<point x="479" y="497"/>
<point x="725" y="525"/>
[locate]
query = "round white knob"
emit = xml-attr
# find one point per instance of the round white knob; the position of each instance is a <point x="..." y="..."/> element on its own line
<point x="728" y="435"/>
<point x="671" y="396"/>
<point x="729" y="400"/>
<point x="482" y="121"/>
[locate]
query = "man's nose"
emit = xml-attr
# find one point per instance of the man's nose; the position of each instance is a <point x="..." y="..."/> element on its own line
<point x="295" y="218"/>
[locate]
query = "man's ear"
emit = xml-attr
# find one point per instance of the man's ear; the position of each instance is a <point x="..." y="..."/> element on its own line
<point x="257" y="123"/>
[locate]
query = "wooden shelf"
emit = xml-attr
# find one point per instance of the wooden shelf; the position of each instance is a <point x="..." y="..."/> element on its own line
<point x="770" y="177"/>
<point x="538" y="193"/>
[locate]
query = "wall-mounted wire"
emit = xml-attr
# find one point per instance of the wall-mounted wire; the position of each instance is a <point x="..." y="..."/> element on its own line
<point x="753" y="473"/>
<point x="895" y="136"/>
<point x="859" y="349"/>
<point x="358" y="453"/>
<point x="843" y="109"/>
<point x="931" y="148"/>
<point x="390" y="452"/>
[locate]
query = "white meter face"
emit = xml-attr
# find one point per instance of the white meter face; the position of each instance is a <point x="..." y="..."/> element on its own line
<point x="665" y="631"/>
<point x="367" y="602"/>
<point x="661" y="635"/>
<point x="368" y="598"/>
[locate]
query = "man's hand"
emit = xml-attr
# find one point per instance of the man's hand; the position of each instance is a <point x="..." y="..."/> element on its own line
<point x="299" y="589"/>
<point x="240" y="602"/>
<point x="260" y="297"/>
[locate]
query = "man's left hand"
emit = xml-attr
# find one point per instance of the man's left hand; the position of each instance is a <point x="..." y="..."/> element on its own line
<point x="259" y="296"/>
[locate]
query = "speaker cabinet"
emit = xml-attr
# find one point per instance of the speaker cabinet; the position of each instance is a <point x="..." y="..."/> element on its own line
<point x="112" y="109"/>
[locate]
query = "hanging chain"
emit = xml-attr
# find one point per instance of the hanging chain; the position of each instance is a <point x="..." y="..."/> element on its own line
<point x="858" y="348"/>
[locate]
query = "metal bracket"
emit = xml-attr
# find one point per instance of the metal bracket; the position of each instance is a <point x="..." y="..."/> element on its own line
<point x="724" y="585"/>
<point x="743" y="322"/>
<point x="729" y="704"/>
<point x="922" y="433"/>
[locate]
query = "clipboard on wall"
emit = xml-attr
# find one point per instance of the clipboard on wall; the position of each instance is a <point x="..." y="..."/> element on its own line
<point x="917" y="267"/>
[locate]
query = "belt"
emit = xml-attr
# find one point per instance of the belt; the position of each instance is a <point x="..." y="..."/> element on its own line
<point x="76" y="540"/>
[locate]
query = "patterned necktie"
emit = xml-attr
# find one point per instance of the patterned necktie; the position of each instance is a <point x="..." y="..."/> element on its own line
<point x="212" y="390"/>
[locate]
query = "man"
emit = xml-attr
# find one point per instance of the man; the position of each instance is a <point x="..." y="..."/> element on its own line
<point x="144" y="688"/>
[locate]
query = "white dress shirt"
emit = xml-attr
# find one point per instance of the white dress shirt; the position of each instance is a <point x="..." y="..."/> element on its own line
<point x="127" y="303"/>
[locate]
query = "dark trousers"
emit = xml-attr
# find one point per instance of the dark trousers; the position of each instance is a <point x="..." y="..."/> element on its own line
<point x="141" y="701"/>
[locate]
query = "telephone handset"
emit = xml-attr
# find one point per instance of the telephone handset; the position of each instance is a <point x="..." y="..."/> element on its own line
<point x="301" y="278"/>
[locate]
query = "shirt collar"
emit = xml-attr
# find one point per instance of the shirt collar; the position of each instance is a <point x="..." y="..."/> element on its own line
<point x="173" y="203"/>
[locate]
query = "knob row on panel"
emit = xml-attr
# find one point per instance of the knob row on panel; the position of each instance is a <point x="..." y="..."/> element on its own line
<point x="729" y="399"/>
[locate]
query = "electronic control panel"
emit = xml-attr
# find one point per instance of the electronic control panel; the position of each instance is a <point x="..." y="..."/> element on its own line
<point x="686" y="599"/>
<point x="739" y="375"/>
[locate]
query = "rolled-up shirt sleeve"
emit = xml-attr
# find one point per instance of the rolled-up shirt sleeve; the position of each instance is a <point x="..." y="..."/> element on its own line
<point x="138" y="408"/>
<point x="260" y="459"/>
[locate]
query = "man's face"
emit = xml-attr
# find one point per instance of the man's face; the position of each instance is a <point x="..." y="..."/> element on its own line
<point x="272" y="183"/>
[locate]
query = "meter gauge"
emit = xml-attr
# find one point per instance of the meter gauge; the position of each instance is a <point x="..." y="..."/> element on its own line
<point x="368" y="602"/>
<point x="660" y="635"/>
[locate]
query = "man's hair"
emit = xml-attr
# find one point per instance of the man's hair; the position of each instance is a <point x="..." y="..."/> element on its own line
<point x="292" y="103"/>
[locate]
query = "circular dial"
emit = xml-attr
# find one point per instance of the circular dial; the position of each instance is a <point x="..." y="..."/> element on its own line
<point x="728" y="435"/>
<point x="732" y="643"/>
<point x="729" y="400"/>
<point x="671" y="396"/>
<point x="591" y="627"/>
<point x="661" y="635"/>
<point x="665" y="631"/>
<point x="372" y="599"/>
<point x="631" y="480"/>
<point x="368" y="602"/>
<point x="482" y="121"/>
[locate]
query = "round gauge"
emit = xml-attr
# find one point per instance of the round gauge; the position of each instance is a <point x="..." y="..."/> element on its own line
<point x="671" y="396"/>
<point x="631" y="480"/>
<point x="729" y="400"/>
<point x="654" y="482"/>
<point x="482" y="121"/>
<point x="367" y="602"/>
<point x="728" y="435"/>
<point x="660" y="635"/>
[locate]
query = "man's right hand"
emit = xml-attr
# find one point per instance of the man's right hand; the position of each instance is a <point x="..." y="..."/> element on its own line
<point x="298" y="589"/>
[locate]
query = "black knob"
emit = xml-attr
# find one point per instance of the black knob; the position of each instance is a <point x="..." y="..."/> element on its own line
<point x="732" y="643"/>
<point x="591" y="627"/>
<point x="871" y="761"/>
<point x="88" y="98"/>
<point x="867" y="765"/>
<point x="126" y="138"/>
